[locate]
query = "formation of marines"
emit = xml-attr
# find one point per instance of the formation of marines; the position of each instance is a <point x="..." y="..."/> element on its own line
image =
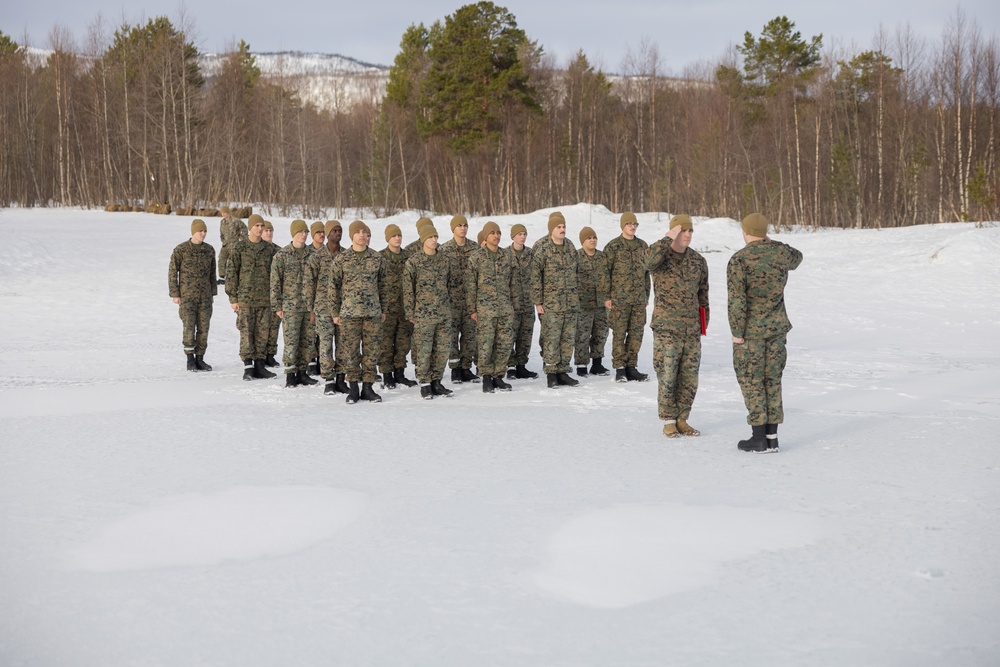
<point x="352" y="315"/>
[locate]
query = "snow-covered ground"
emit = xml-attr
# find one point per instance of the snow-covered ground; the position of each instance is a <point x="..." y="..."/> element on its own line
<point x="152" y="516"/>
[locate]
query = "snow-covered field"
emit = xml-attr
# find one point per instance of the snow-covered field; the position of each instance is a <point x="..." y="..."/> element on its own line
<point x="152" y="516"/>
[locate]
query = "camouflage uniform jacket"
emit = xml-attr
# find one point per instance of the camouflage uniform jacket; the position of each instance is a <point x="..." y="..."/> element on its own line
<point x="357" y="284"/>
<point x="394" y="263"/>
<point x="593" y="277"/>
<point x="232" y="230"/>
<point x="429" y="288"/>
<point x="629" y="279"/>
<point x="290" y="280"/>
<point x="413" y="248"/>
<point x="248" y="273"/>
<point x="320" y="264"/>
<point x="490" y="283"/>
<point x="460" y="256"/>
<point x="756" y="278"/>
<point x="191" y="274"/>
<point x="554" y="283"/>
<point x="522" y="265"/>
<point x="680" y="287"/>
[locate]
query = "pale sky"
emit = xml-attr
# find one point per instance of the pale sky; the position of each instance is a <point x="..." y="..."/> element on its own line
<point x="684" y="33"/>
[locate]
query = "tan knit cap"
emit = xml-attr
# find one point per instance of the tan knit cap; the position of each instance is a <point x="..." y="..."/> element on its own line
<point x="225" y="209"/>
<point x="754" y="224"/>
<point x="458" y="220"/>
<point x="426" y="232"/>
<point x="198" y="225"/>
<point x="331" y="225"/>
<point x="587" y="233"/>
<point x="268" y="225"/>
<point x="392" y="230"/>
<point x="628" y="218"/>
<point x="316" y="228"/>
<point x="356" y="227"/>
<point x="555" y="219"/>
<point x="298" y="226"/>
<point x="517" y="229"/>
<point x="254" y="219"/>
<point x="421" y="221"/>
<point x="683" y="220"/>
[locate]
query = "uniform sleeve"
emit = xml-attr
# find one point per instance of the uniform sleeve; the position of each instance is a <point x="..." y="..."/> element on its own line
<point x="409" y="289"/>
<point x="472" y="285"/>
<point x="645" y="275"/>
<point x="313" y="266"/>
<point x="537" y="276"/>
<point x="212" y="275"/>
<point x="383" y="287"/>
<point x="656" y="257"/>
<point x="173" y="275"/>
<point x="609" y="269"/>
<point x="603" y="280"/>
<point x="336" y="280"/>
<point x="233" y="275"/>
<point x="794" y="258"/>
<point x="737" y="297"/>
<point x="277" y="283"/>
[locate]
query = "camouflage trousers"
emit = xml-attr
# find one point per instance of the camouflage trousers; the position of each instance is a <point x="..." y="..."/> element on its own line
<point x="759" y="364"/>
<point x="463" y="340"/>
<point x="272" y="334"/>
<point x="298" y="335"/>
<point x="362" y="339"/>
<point x="254" y="323"/>
<point x="495" y="340"/>
<point x="558" y="340"/>
<point x="523" y="325"/>
<point x="676" y="360"/>
<point x="591" y="334"/>
<point x="431" y="342"/>
<point x="196" y="315"/>
<point x="627" y="323"/>
<point x="397" y="337"/>
<point x="327" y="337"/>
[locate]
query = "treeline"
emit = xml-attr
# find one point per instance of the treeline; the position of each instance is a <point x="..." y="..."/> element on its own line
<point x="477" y="119"/>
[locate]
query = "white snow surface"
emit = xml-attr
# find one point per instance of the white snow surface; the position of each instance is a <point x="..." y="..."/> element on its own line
<point x="152" y="516"/>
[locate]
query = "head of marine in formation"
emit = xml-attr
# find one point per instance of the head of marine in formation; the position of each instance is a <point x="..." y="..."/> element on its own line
<point x="629" y="225"/>
<point x="518" y="236"/>
<point x="680" y="231"/>
<point x="394" y="238"/>
<point x="491" y="236"/>
<point x="334" y="232"/>
<point x="198" y="231"/>
<point x="299" y="231"/>
<point x="429" y="239"/>
<point x="318" y="233"/>
<point x="588" y="241"/>
<point x="360" y="235"/>
<point x="557" y="227"/>
<point x="460" y="228"/>
<point x="268" y="233"/>
<point x="255" y="227"/>
<point x="754" y="228"/>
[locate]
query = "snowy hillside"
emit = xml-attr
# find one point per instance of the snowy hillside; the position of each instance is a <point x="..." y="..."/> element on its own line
<point x="329" y="81"/>
<point x="159" y="517"/>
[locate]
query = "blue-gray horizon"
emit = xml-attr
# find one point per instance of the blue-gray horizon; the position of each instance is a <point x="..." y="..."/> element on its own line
<point x="679" y="36"/>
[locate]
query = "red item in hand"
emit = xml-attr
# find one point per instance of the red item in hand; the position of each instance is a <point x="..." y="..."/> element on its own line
<point x="704" y="322"/>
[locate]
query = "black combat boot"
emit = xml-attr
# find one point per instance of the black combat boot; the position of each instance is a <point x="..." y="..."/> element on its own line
<point x="291" y="379"/>
<point x="330" y="387"/>
<point x="426" y="391"/>
<point x="511" y="374"/>
<point x="271" y="362"/>
<point x="389" y="380"/>
<point x="468" y="375"/>
<point x="353" y="395"/>
<point x="522" y="373"/>
<point x="581" y="371"/>
<point x="500" y="384"/>
<point x="402" y="379"/>
<point x="439" y="389"/>
<point x="304" y="379"/>
<point x="597" y="368"/>
<point x="260" y="370"/>
<point x="620" y="375"/>
<point x="220" y="281"/>
<point x="565" y="380"/>
<point x="771" y="435"/>
<point x="487" y="384"/>
<point x="456" y="376"/>
<point x="199" y="362"/>
<point x="313" y="367"/>
<point x="248" y="373"/>
<point x="192" y="366"/>
<point x="368" y="394"/>
<point x="633" y="374"/>
<point x="552" y="380"/>
<point x="756" y="443"/>
<point x="341" y="385"/>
